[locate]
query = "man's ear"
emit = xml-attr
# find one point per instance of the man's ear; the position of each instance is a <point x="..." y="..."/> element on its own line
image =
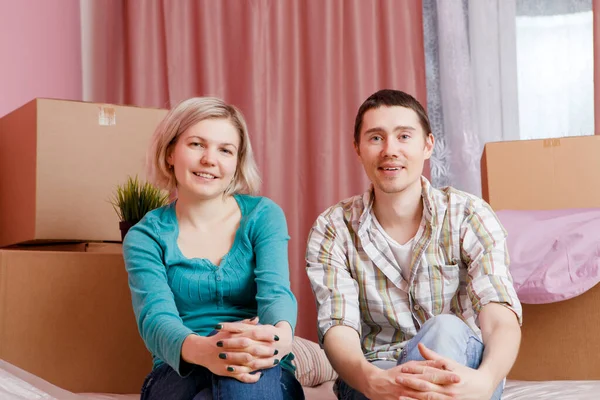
<point x="357" y="148"/>
<point x="429" y="145"/>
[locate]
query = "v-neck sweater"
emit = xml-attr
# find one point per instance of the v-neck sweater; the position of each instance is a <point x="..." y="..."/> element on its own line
<point x="174" y="296"/>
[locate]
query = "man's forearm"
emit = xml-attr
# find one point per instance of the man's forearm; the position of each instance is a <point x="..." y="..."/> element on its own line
<point x="501" y="338"/>
<point x="343" y="349"/>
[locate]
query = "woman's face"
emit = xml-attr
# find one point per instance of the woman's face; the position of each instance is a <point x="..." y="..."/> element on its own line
<point x="205" y="158"/>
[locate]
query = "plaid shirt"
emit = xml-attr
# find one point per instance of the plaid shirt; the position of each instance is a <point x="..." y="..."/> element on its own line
<point x="459" y="264"/>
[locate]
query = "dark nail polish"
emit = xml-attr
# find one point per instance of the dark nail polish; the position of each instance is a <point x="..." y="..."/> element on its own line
<point x="219" y="326"/>
<point x="219" y="344"/>
<point x="276" y="352"/>
<point x="222" y="356"/>
<point x="253" y="318"/>
<point x="275" y="362"/>
<point x="276" y="338"/>
<point x="230" y="369"/>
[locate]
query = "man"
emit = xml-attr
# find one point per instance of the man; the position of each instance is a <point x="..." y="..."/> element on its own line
<point x="413" y="291"/>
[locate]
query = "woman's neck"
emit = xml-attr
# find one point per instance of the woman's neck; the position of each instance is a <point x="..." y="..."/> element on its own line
<point x="201" y="213"/>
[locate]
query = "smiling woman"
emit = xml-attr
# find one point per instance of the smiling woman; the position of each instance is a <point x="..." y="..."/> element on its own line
<point x="204" y="158"/>
<point x="202" y="115"/>
<point x="207" y="268"/>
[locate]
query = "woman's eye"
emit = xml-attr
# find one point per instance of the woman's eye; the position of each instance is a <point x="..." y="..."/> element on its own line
<point x="226" y="151"/>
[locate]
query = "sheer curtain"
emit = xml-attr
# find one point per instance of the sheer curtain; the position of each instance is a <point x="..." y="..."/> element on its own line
<point x="297" y="69"/>
<point x="471" y="84"/>
<point x="504" y="70"/>
<point x="556" y="68"/>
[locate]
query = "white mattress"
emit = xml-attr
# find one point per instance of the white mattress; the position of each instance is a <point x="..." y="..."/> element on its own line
<point x="563" y="390"/>
<point x="16" y="384"/>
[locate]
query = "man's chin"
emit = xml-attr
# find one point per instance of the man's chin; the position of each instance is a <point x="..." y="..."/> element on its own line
<point x="391" y="189"/>
<point x="396" y="187"/>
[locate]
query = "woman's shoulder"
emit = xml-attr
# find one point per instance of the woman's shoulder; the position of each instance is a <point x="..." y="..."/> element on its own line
<point x="258" y="206"/>
<point x="154" y="222"/>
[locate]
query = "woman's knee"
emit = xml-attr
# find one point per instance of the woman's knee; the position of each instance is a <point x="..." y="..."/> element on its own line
<point x="164" y="383"/>
<point x="268" y="387"/>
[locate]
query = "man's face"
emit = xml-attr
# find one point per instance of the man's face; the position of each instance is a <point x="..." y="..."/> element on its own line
<point x="393" y="148"/>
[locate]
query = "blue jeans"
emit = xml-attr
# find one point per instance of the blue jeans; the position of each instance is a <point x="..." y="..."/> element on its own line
<point x="163" y="383"/>
<point x="445" y="334"/>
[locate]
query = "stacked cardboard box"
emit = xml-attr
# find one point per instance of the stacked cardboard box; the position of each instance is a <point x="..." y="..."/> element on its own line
<point x="60" y="162"/>
<point x="65" y="306"/>
<point x="559" y="340"/>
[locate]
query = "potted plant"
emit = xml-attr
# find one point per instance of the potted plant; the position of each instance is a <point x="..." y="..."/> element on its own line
<point x="133" y="200"/>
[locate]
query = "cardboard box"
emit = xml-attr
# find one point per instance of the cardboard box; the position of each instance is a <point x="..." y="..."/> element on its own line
<point x="66" y="316"/>
<point x="559" y="340"/>
<point x="60" y="162"/>
<point x="556" y="168"/>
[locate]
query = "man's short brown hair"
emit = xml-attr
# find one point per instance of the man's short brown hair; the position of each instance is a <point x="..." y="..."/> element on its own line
<point x="390" y="98"/>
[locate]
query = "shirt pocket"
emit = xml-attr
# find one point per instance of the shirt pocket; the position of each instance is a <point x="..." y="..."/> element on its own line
<point x="445" y="281"/>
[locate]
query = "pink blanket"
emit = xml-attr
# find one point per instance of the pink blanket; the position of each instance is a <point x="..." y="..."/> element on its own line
<point x="554" y="254"/>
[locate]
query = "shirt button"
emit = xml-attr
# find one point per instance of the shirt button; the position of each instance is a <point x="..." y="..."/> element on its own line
<point x="218" y="278"/>
<point x="417" y="307"/>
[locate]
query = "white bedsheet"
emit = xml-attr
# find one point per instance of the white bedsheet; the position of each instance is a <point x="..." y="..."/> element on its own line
<point x="563" y="390"/>
<point x="16" y="384"/>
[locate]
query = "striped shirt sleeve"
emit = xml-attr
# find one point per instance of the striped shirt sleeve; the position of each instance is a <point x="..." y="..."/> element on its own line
<point x="485" y="252"/>
<point x="336" y="292"/>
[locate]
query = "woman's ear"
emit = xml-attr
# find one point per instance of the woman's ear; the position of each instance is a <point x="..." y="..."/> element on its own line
<point x="169" y="157"/>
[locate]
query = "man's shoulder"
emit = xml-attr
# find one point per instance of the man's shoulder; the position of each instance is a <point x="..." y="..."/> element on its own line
<point x="347" y="210"/>
<point x="341" y="220"/>
<point x="458" y="200"/>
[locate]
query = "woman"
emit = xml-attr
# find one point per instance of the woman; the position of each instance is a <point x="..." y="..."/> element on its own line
<point x="207" y="268"/>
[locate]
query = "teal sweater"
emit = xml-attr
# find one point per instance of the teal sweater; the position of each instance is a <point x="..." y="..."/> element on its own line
<point x="174" y="296"/>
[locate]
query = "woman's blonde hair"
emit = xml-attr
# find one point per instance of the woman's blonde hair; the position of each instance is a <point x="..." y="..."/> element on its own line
<point x="186" y="114"/>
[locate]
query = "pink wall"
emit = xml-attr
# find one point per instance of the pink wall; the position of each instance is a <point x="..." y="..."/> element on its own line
<point x="40" y="51"/>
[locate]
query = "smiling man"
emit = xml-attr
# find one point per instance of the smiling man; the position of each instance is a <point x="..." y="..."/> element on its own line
<point x="414" y="295"/>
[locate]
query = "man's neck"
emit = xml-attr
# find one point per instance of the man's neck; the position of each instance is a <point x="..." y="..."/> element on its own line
<point x="403" y="209"/>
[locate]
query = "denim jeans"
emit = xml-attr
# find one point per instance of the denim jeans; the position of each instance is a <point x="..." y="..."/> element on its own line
<point x="163" y="383"/>
<point x="445" y="334"/>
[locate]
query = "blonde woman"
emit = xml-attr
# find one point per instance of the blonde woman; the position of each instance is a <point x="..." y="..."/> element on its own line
<point x="208" y="273"/>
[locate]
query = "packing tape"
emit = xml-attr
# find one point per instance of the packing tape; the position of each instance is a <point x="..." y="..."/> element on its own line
<point x="551" y="142"/>
<point x="107" y="116"/>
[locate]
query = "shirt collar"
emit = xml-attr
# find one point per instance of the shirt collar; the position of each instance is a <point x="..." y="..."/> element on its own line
<point x="427" y="195"/>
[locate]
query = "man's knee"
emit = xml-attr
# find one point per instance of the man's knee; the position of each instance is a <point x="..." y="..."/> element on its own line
<point x="447" y="335"/>
<point x="444" y="324"/>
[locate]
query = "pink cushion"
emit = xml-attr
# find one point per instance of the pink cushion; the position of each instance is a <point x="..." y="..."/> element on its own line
<point x="312" y="366"/>
<point x="554" y="254"/>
